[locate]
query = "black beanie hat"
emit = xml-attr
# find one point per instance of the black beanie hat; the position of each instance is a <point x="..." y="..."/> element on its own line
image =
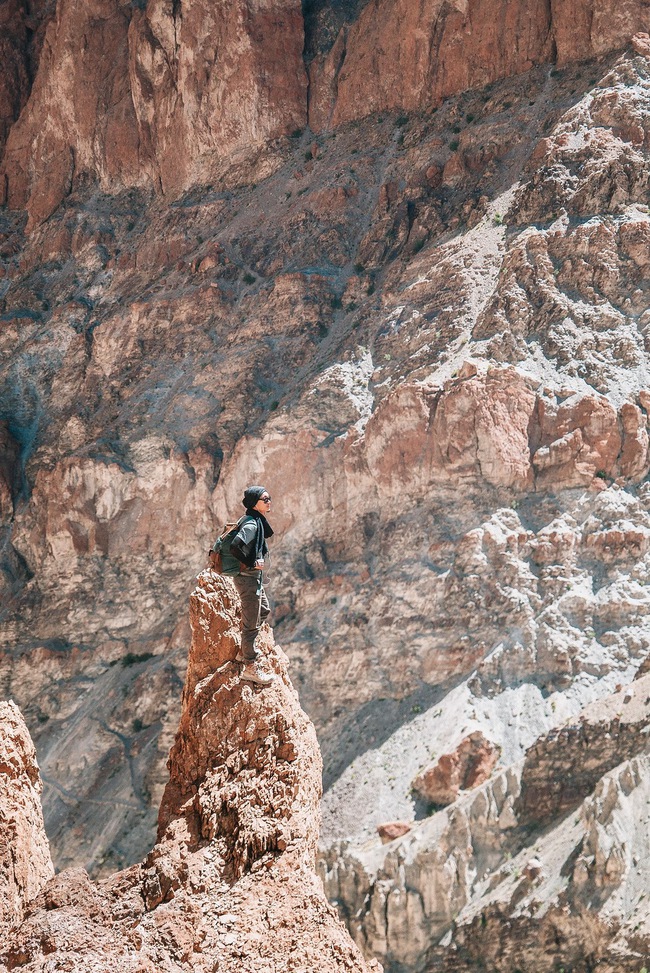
<point x="252" y="495"/>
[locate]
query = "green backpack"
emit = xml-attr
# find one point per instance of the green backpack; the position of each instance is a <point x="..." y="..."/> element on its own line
<point x="221" y="560"/>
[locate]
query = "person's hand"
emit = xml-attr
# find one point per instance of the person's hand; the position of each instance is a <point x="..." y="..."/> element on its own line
<point x="259" y="564"/>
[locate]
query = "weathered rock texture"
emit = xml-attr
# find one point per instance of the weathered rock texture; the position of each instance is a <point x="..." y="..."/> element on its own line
<point x="430" y="344"/>
<point x="130" y="95"/>
<point x="507" y="878"/>
<point x="470" y="764"/>
<point x="160" y="94"/>
<point x="22" y="24"/>
<point x="399" y="56"/>
<point x="25" y="863"/>
<point x="426" y="332"/>
<point x="230" y="883"/>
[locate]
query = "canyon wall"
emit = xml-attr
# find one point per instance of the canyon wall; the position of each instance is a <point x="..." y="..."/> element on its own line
<point x="131" y="95"/>
<point x="430" y="344"/>
<point x="395" y="56"/>
<point x="164" y="93"/>
<point x="408" y="292"/>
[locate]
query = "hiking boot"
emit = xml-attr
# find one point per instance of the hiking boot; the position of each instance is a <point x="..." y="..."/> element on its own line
<point x="252" y="674"/>
<point x="241" y="658"/>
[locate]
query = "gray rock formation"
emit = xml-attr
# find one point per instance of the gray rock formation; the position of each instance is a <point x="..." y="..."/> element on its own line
<point x="544" y="865"/>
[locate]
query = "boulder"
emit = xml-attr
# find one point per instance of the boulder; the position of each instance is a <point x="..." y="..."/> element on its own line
<point x="469" y="765"/>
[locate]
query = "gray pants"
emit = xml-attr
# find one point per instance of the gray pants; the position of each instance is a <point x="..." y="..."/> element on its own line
<point x="255" y="609"/>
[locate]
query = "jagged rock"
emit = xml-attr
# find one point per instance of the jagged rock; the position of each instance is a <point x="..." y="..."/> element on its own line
<point x="133" y="382"/>
<point x="131" y="96"/>
<point x="470" y="764"/>
<point x="397" y="902"/>
<point x="21" y="39"/>
<point x="588" y="898"/>
<point x="25" y="863"/>
<point x="230" y="883"/>
<point x="254" y="752"/>
<point x="641" y="43"/>
<point x="385" y="60"/>
<point x="565" y="765"/>
<point x="507" y="876"/>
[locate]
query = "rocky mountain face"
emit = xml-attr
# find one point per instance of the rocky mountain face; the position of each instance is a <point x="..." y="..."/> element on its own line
<point x="229" y="884"/>
<point x="393" y="264"/>
<point x="540" y="867"/>
<point x="154" y="93"/>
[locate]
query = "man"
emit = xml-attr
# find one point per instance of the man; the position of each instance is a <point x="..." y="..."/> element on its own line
<point x="250" y="548"/>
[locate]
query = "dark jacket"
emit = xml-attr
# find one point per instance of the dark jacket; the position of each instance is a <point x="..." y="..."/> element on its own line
<point x="249" y="543"/>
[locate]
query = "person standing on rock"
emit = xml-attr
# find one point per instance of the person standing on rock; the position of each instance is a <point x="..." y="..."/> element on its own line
<point x="250" y="548"/>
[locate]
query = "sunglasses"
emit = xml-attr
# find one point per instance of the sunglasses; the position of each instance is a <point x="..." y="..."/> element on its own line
<point x="265" y="499"/>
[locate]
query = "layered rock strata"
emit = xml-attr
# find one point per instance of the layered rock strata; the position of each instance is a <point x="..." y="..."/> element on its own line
<point x="230" y="883"/>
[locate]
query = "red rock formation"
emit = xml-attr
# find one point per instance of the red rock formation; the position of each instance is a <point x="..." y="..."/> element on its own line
<point x="586" y="30"/>
<point x="579" y="438"/>
<point x="208" y="81"/>
<point x="400" y="57"/>
<point x="258" y="749"/>
<point x="231" y="881"/>
<point x="160" y="95"/>
<point x="391" y="830"/>
<point x="470" y="764"/>
<point x="130" y="97"/>
<point x="132" y="373"/>
<point x="14" y="82"/>
<point x="641" y="43"/>
<point x="489" y="426"/>
<point x="397" y="56"/>
<point x="25" y="863"/>
<point x="22" y="27"/>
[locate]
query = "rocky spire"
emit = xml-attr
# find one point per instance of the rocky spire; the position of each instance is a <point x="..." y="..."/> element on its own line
<point x="230" y="885"/>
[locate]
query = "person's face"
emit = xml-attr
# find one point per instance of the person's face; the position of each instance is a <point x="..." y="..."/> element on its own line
<point x="263" y="505"/>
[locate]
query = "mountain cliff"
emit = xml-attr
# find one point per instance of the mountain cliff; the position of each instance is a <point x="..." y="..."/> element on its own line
<point x="155" y="93"/>
<point x="393" y="264"/>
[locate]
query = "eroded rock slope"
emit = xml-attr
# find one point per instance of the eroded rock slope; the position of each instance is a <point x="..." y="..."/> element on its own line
<point x="425" y="330"/>
<point x="25" y="862"/>
<point x="543" y="866"/>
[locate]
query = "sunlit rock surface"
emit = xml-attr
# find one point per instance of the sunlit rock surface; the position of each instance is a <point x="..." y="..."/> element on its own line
<point x="25" y="862"/>
<point x="230" y="883"/>
<point x="425" y="331"/>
